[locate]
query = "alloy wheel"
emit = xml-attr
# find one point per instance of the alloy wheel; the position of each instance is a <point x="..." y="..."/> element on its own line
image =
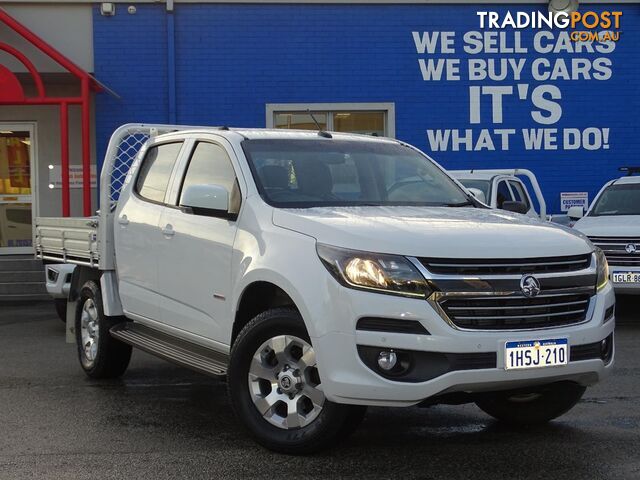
<point x="89" y="330"/>
<point x="284" y="383"/>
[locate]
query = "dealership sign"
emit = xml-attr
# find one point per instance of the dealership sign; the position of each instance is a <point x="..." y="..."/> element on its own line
<point x="75" y="176"/>
<point x="574" y="199"/>
<point x="499" y="70"/>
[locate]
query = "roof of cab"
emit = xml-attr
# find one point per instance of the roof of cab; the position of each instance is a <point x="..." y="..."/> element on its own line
<point x="471" y="175"/>
<point x="265" y="133"/>
<point x="627" y="180"/>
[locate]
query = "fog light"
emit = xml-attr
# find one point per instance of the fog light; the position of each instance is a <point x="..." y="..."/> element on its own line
<point x="387" y="360"/>
<point x="52" y="275"/>
<point x="606" y="349"/>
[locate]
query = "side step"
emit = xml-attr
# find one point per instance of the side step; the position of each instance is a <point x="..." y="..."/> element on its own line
<point x="187" y="354"/>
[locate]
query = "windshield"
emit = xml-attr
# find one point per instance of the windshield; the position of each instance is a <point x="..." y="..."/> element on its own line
<point x="334" y="172"/>
<point x="482" y="185"/>
<point x="618" y="200"/>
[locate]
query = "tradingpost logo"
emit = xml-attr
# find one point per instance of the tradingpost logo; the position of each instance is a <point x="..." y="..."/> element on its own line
<point x="589" y="26"/>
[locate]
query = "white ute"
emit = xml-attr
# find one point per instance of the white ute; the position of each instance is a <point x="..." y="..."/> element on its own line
<point x="324" y="272"/>
<point x="502" y="189"/>
<point x="613" y="224"/>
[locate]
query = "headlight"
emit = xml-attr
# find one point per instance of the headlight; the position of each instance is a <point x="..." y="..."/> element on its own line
<point x="372" y="271"/>
<point x="603" y="269"/>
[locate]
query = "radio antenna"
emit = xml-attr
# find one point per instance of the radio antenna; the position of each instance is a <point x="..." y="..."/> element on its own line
<point x="321" y="132"/>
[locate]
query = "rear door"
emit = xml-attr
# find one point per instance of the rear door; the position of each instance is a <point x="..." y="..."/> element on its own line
<point x="136" y="233"/>
<point x="196" y="250"/>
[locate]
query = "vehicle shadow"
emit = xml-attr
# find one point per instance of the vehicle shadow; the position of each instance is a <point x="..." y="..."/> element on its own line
<point x="183" y="410"/>
<point x="462" y="442"/>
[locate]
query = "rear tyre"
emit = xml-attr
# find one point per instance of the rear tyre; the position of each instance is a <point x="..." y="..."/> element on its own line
<point x="61" y="308"/>
<point x="534" y="406"/>
<point x="100" y="355"/>
<point x="276" y="391"/>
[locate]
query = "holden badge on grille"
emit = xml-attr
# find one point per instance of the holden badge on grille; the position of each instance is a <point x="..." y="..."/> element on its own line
<point x="631" y="248"/>
<point x="530" y="286"/>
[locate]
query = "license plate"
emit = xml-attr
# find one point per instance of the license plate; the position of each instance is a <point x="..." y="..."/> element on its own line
<point x="536" y="354"/>
<point x="626" y="277"/>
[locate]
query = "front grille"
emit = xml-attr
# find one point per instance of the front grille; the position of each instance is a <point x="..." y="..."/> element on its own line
<point x="391" y="325"/>
<point x="590" y="351"/>
<point x="615" y="250"/>
<point x="585" y="352"/>
<point x="496" y="312"/>
<point x="472" y="361"/>
<point x="445" y="266"/>
<point x="424" y="366"/>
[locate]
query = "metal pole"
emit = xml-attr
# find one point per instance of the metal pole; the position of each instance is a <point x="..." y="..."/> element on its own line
<point x="86" y="150"/>
<point x="64" y="157"/>
<point x="171" y="63"/>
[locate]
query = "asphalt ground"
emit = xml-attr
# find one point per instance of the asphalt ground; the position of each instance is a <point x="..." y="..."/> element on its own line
<point x="160" y="421"/>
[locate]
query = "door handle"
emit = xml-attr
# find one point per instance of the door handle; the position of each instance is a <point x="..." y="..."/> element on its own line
<point x="123" y="220"/>
<point x="168" y="231"/>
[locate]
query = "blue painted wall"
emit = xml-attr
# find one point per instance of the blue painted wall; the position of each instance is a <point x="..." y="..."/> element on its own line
<point x="231" y="60"/>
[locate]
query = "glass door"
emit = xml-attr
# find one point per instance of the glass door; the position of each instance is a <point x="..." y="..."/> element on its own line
<point x="16" y="199"/>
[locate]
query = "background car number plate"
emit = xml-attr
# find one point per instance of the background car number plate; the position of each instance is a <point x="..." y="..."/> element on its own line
<point x="626" y="277"/>
<point x="536" y="354"/>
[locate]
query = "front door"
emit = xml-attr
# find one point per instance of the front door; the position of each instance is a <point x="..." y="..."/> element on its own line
<point x="16" y="188"/>
<point x="194" y="268"/>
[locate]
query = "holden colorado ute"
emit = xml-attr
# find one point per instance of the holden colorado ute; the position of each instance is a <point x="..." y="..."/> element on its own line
<point x="613" y="224"/>
<point x="503" y="189"/>
<point x="324" y="272"/>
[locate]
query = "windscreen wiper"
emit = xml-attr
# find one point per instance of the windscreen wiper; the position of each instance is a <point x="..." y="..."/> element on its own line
<point x="463" y="204"/>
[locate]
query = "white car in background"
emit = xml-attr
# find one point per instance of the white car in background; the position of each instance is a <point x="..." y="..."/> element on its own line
<point x="613" y="224"/>
<point x="502" y="189"/>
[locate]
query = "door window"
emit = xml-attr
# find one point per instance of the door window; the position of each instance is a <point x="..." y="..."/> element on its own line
<point x="155" y="171"/>
<point x="503" y="194"/>
<point x="210" y="165"/>
<point x="519" y="193"/>
<point x="15" y="190"/>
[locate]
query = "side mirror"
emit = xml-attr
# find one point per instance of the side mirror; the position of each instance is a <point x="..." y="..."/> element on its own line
<point x="209" y="200"/>
<point x="478" y="194"/>
<point x="515" y="207"/>
<point x="575" y="213"/>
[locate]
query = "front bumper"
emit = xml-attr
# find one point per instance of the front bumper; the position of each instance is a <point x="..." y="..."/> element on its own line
<point x="625" y="288"/>
<point x="346" y="379"/>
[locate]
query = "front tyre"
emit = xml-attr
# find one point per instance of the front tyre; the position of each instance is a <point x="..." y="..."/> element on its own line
<point x="100" y="355"/>
<point x="535" y="406"/>
<point x="276" y="391"/>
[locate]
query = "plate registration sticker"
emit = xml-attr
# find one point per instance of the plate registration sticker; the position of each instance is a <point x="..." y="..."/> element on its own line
<point x="536" y="354"/>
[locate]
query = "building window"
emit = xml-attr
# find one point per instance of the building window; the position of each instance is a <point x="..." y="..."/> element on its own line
<point x="363" y="118"/>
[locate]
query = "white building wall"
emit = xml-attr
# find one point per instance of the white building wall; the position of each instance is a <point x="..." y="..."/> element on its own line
<point x="68" y="28"/>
